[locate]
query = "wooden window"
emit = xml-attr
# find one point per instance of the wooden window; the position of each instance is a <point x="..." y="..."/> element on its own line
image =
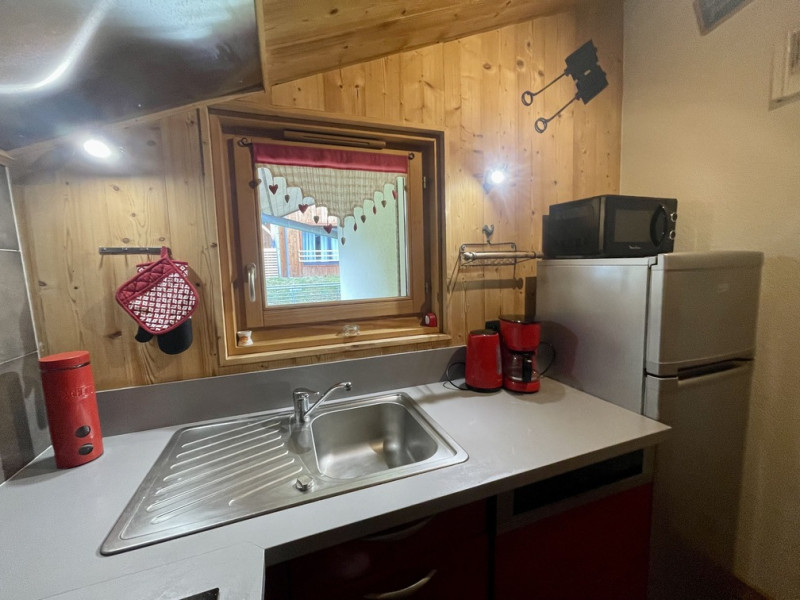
<point x="329" y="233"/>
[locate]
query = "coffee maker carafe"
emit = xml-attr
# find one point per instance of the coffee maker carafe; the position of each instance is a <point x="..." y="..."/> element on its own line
<point x="519" y="342"/>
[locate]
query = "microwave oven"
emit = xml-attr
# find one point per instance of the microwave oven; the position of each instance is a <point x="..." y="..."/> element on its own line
<point x="610" y="226"/>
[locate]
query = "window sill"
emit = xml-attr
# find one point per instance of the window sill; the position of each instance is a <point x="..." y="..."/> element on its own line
<point x="261" y="352"/>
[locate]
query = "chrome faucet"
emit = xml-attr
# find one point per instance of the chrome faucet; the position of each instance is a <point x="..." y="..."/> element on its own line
<point x="302" y="396"/>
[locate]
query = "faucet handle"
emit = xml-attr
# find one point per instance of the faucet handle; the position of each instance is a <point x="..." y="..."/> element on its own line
<point x="301" y="392"/>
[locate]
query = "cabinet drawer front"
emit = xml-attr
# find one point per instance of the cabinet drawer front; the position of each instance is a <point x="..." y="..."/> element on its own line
<point x="386" y="550"/>
<point x="460" y="571"/>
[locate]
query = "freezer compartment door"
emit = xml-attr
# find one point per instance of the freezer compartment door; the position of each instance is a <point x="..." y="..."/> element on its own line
<point x="698" y="472"/>
<point x="593" y="312"/>
<point x="703" y="309"/>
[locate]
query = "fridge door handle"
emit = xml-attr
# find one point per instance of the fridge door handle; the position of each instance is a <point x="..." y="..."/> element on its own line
<point x="721" y="369"/>
<point x="661" y="392"/>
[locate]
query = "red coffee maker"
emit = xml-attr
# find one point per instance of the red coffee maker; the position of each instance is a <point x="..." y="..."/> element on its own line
<point x="484" y="371"/>
<point x="71" y="403"/>
<point x="520" y="340"/>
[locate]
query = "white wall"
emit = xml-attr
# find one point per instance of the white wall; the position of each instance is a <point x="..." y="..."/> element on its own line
<point x="697" y="125"/>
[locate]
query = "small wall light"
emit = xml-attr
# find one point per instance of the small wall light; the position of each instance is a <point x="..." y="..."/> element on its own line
<point x="493" y="177"/>
<point x="97" y="148"/>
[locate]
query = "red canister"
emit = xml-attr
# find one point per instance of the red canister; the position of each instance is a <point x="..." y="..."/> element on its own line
<point x="71" y="402"/>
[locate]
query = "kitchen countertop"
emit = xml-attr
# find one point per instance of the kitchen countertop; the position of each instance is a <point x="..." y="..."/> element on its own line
<point x="54" y="521"/>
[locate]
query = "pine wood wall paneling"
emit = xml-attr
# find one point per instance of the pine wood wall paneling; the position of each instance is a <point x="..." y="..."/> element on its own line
<point x="493" y="202"/>
<point x="190" y="213"/>
<point x="411" y="93"/>
<point x="134" y="209"/>
<point x="66" y="215"/>
<point x="375" y="104"/>
<point x="71" y="278"/>
<point x="302" y="38"/>
<point x="511" y="204"/>
<point x="467" y="210"/>
<point x="485" y="122"/>
<point x="557" y="156"/>
<point x="322" y="17"/>
<point x="528" y="167"/>
<point x="456" y="182"/>
<point x="432" y="86"/>
<point x="564" y="45"/>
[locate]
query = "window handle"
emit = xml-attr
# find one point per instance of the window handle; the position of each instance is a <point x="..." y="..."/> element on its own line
<point x="251" y="281"/>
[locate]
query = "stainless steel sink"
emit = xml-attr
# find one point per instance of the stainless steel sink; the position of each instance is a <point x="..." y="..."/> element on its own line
<point x="363" y="440"/>
<point x="218" y="473"/>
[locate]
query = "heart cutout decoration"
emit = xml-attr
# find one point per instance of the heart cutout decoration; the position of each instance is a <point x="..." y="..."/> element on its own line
<point x="355" y="226"/>
<point x="316" y="218"/>
<point x="343" y="240"/>
<point x="303" y="207"/>
<point x="328" y="228"/>
<point x="374" y="209"/>
<point x="273" y="188"/>
<point x="287" y="198"/>
<point x="363" y="218"/>
<point x="394" y="194"/>
<point x="383" y="202"/>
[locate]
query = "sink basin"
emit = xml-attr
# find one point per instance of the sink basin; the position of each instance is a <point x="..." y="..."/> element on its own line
<point x="218" y="473"/>
<point x="362" y="440"/>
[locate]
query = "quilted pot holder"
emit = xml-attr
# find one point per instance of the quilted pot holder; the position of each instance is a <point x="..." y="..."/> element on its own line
<point x="159" y="297"/>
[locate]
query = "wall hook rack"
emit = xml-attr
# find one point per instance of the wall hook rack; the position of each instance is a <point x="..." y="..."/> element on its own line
<point x="132" y="250"/>
<point x="495" y="255"/>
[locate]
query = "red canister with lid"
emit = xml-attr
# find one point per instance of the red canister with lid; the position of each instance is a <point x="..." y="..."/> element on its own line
<point x="71" y="402"/>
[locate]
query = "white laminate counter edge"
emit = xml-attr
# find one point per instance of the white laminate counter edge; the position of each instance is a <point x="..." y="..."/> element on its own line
<point x="60" y="517"/>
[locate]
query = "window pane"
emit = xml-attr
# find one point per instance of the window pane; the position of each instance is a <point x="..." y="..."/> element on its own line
<point x="333" y="234"/>
<point x="301" y="260"/>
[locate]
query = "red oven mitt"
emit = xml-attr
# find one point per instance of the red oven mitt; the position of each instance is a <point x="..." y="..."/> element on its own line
<point x="159" y="297"/>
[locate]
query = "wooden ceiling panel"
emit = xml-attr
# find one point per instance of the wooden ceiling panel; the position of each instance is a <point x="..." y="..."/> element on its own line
<point x="304" y="38"/>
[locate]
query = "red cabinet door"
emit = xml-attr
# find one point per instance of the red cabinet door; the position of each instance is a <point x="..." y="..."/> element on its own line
<point x="596" y="551"/>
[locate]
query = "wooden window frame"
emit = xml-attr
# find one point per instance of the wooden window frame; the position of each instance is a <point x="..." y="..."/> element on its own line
<point x="285" y="331"/>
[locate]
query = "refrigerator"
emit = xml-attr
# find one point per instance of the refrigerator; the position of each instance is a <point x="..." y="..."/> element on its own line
<point x="671" y="337"/>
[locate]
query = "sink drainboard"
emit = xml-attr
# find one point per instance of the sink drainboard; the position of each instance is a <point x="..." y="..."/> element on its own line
<point x="214" y="474"/>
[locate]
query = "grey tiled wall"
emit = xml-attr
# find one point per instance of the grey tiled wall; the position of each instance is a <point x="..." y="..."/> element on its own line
<point x="23" y="423"/>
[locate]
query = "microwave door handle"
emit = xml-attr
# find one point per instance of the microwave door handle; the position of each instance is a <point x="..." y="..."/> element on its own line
<point x="654" y="237"/>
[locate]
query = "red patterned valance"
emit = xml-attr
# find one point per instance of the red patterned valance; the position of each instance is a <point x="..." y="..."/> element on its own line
<point x="291" y="177"/>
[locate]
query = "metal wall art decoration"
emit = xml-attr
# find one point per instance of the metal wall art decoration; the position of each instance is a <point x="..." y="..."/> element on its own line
<point x="589" y="78"/>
